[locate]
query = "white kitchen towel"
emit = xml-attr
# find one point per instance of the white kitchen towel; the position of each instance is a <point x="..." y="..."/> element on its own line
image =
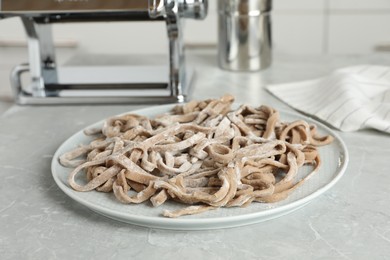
<point x="349" y="99"/>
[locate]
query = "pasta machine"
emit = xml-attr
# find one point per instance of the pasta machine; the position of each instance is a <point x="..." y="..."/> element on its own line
<point x="53" y="84"/>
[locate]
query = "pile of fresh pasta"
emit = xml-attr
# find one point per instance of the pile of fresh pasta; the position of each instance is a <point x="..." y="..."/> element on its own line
<point x="203" y="154"/>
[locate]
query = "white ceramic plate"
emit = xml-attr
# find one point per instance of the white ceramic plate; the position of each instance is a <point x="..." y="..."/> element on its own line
<point x="334" y="158"/>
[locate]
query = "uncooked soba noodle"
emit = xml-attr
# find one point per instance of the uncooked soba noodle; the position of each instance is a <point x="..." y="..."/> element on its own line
<point x="203" y="154"/>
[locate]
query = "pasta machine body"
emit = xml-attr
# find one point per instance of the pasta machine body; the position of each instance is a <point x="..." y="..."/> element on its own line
<point x="52" y="84"/>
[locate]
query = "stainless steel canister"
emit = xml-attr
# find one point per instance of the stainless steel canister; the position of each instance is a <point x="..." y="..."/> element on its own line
<point x="244" y="42"/>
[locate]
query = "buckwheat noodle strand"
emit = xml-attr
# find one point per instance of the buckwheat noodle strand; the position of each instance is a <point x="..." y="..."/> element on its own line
<point x="203" y="154"/>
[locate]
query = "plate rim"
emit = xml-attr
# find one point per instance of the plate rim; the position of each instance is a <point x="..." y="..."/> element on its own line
<point x="202" y="223"/>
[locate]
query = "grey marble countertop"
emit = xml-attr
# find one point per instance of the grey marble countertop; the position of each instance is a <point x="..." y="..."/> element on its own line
<point x="38" y="221"/>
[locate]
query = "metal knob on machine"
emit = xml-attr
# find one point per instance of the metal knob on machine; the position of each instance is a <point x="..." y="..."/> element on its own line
<point x="195" y="9"/>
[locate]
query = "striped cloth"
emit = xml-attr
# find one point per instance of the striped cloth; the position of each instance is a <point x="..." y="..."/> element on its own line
<point x="349" y="99"/>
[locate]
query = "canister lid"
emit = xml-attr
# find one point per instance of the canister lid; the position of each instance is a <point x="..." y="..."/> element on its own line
<point x="244" y="7"/>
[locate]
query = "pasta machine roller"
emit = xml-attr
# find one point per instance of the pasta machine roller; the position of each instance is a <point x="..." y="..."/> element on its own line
<point x="53" y="84"/>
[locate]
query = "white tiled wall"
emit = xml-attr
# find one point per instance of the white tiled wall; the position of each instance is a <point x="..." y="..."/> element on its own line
<point x="358" y="26"/>
<point x="360" y="33"/>
<point x="298" y="33"/>
<point x="299" y="26"/>
<point x="299" y="5"/>
<point x="363" y="5"/>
